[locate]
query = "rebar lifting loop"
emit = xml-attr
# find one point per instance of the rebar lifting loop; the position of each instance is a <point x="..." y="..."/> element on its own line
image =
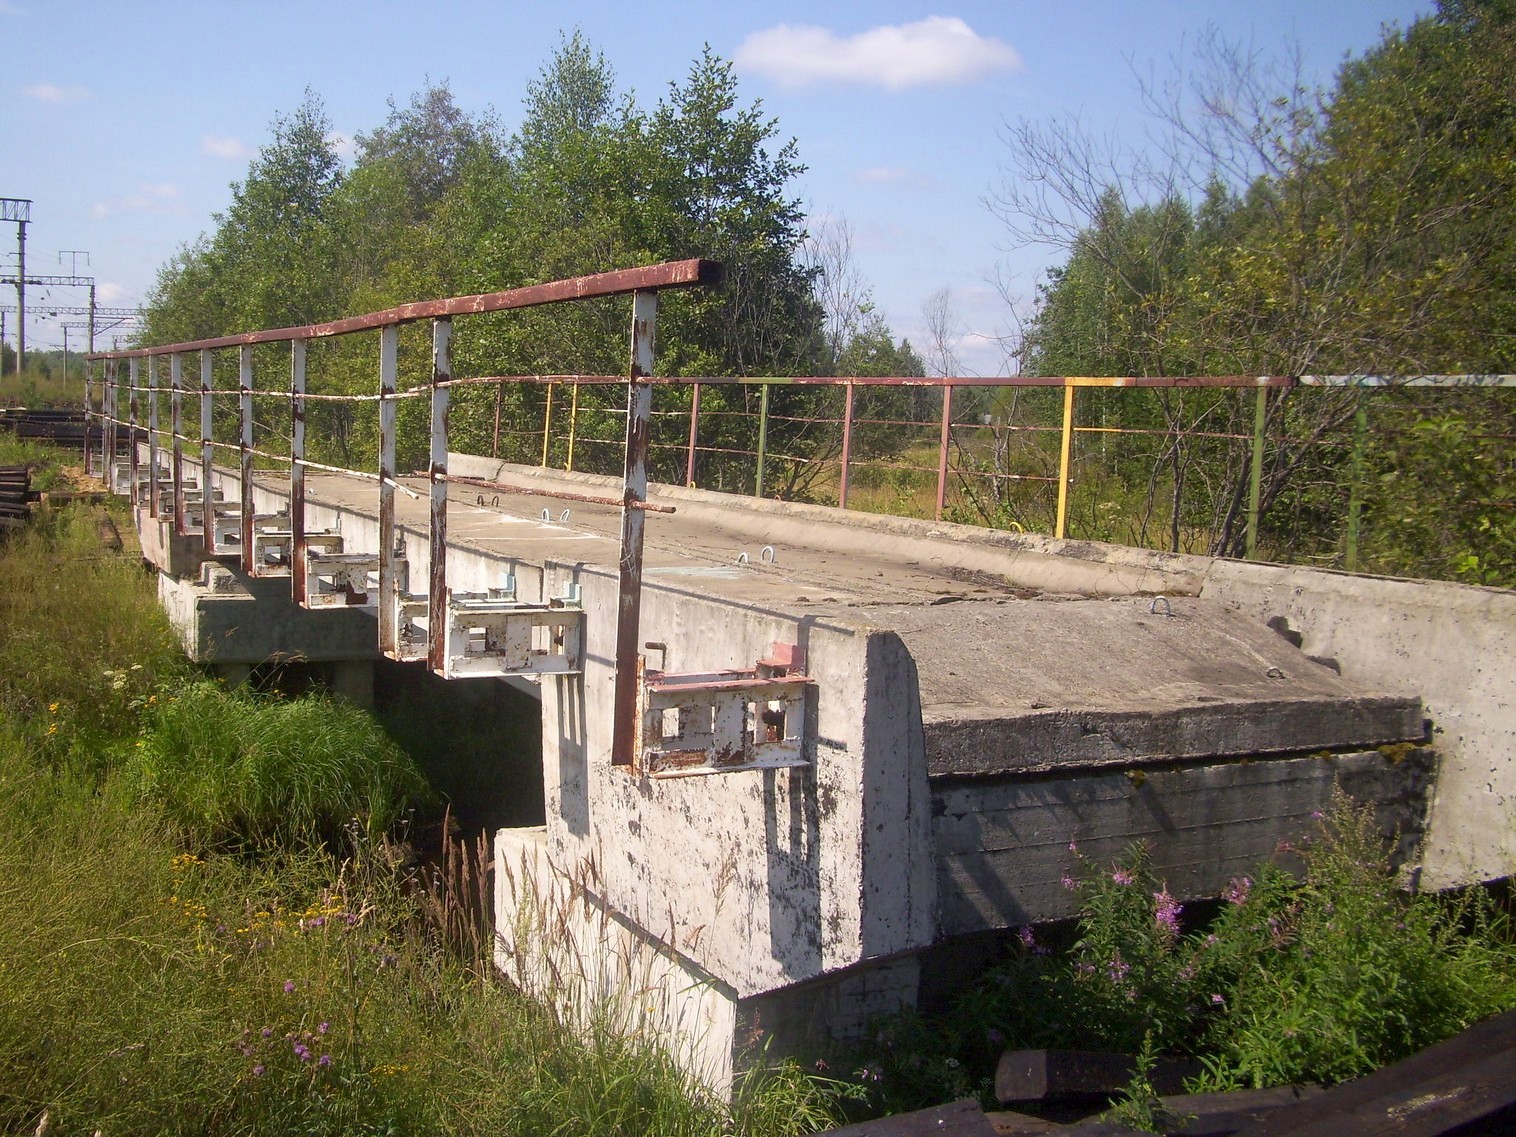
<point x="1168" y="609"/>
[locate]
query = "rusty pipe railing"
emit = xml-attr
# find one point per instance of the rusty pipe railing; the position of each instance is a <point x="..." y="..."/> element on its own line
<point x="642" y="284"/>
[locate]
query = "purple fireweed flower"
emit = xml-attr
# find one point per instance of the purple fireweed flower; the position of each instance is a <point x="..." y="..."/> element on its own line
<point x="258" y="1070"/>
<point x="1068" y="882"/>
<point x="268" y="1032"/>
<point x="1166" y="912"/>
<point x="289" y="986"/>
<point x="1122" y="877"/>
<point x="1028" y="940"/>
<point x="324" y="1060"/>
<point x="1219" y="1000"/>
<point x="1237" y="891"/>
<point x="322" y="1028"/>
<point x="302" y="1051"/>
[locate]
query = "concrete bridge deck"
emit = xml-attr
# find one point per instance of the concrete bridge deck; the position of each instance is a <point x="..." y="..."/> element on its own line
<point x="976" y="702"/>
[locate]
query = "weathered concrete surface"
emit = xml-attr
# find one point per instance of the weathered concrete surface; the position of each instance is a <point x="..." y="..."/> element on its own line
<point x="1452" y="645"/>
<point x="1005" y="846"/>
<point x="226" y="617"/>
<point x="1058" y="682"/>
<point x="958" y="675"/>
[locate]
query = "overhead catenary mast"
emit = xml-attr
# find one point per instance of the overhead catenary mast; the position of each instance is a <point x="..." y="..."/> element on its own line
<point x="19" y="210"/>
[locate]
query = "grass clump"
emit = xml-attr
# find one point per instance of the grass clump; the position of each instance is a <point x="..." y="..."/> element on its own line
<point x="236" y="769"/>
<point x="1316" y="976"/>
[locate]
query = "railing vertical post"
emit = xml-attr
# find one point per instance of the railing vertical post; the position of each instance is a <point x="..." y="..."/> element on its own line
<point x="947" y="438"/>
<point x="763" y="439"/>
<point x="133" y="374"/>
<point x="176" y="421"/>
<point x="207" y="458"/>
<point x="89" y="372"/>
<point x="495" y="445"/>
<point x="1355" y="490"/>
<point x="114" y="389"/>
<point x="639" y="406"/>
<point x="1065" y="453"/>
<point x="437" y="596"/>
<point x="298" y="568"/>
<point x="245" y="450"/>
<point x="847" y="446"/>
<point x="689" y="462"/>
<point x="1255" y="477"/>
<point x="573" y="426"/>
<point x="389" y="361"/>
<point x="547" y="425"/>
<point x="152" y="436"/>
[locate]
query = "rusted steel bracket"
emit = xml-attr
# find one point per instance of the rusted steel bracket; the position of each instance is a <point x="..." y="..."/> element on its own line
<point x="489" y="637"/>
<point x="713" y="722"/>
<point x="273" y="549"/>
<point x="339" y="580"/>
<point x="492" y="635"/>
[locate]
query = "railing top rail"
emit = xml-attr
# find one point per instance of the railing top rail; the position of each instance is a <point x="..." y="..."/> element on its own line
<point x="671" y="274"/>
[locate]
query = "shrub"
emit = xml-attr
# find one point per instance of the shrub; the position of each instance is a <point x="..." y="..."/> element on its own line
<point x="233" y="768"/>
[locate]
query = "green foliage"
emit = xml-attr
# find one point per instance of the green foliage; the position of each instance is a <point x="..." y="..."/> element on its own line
<point x="1363" y="230"/>
<point x="1318" y="977"/>
<point x="237" y="769"/>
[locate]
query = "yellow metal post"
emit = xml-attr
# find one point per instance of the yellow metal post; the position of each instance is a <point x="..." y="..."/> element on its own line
<point x="573" y="426"/>
<point x="547" y="425"/>
<point x="1065" y="453"/>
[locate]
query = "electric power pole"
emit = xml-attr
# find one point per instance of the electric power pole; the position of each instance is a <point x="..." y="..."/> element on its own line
<point x="19" y="210"/>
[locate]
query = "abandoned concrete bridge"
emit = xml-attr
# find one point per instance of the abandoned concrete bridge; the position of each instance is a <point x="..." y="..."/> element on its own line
<point x="801" y="764"/>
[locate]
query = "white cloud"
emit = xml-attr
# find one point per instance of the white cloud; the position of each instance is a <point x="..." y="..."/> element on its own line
<point x="224" y="146"/>
<point x="52" y="93"/>
<point x="895" y="175"/>
<point x="113" y="295"/>
<point x="936" y="50"/>
<point x="342" y="144"/>
<point x="151" y="197"/>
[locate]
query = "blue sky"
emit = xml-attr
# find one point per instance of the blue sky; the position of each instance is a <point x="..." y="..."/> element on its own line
<point x="125" y="123"/>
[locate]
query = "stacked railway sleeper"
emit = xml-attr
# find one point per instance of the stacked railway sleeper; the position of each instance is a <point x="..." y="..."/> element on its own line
<point x="16" y="496"/>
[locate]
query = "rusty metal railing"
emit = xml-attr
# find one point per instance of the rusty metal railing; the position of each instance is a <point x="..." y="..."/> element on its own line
<point x="125" y="401"/>
<point x="642" y="284"/>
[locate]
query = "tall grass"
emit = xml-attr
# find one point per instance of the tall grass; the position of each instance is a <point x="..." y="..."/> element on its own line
<point x="154" y="981"/>
<point x="238" y="769"/>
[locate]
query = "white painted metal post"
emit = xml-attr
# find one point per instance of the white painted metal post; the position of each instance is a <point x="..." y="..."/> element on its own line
<point x="297" y="471"/>
<point x="437" y="595"/>
<point x="176" y="427"/>
<point x="245" y="447"/>
<point x="389" y="360"/>
<point x="639" y="406"/>
<point x="133" y="374"/>
<point x="152" y="436"/>
<point x="207" y="509"/>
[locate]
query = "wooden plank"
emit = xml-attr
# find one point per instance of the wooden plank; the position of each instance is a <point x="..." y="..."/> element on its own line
<point x="1043" y="1075"/>
<point x="1466" y="1085"/>
<point x="959" y="1119"/>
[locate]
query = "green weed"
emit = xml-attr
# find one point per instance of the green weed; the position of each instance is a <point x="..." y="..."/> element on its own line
<point x="1316" y="977"/>
<point x="233" y="768"/>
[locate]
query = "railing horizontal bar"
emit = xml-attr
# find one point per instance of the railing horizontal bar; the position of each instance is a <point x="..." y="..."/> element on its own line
<point x="535" y="491"/>
<point x="671" y="274"/>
